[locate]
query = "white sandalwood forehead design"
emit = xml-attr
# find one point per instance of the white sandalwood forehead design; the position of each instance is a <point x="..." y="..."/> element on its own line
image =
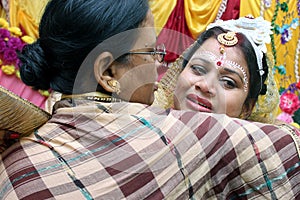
<point x="222" y="61"/>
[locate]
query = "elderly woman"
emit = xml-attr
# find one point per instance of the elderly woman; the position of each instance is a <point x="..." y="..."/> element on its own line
<point x="103" y="140"/>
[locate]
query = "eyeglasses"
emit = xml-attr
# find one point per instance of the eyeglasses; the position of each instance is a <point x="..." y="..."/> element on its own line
<point x="158" y="53"/>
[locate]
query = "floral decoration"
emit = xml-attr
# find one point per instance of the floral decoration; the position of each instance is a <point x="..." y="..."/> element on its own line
<point x="284" y="7"/>
<point x="289" y="100"/>
<point x="285" y="30"/>
<point x="267" y="3"/>
<point x="281" y="69"/>
<point x="298" y="85"/>
<point x="12" y="40"/>
<point x="289" y="103"/>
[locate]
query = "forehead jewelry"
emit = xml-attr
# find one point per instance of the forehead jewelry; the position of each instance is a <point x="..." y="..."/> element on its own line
<point x="232" y="64"/>
<point x="256" y="30"/>
<point x="228" y="39"/>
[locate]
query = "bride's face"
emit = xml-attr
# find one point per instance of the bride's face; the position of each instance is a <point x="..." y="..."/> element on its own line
<point x="207" y="85"/>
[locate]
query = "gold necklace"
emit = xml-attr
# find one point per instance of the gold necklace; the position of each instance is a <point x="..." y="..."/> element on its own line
<point x="93" y="96"/>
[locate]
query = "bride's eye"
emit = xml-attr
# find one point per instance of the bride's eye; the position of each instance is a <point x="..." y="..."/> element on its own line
<point x="228" y="83"/>
<point x="200" y="70"/>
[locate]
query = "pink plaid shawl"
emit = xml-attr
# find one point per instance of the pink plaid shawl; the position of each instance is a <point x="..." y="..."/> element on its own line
<point x="92" y="150"/>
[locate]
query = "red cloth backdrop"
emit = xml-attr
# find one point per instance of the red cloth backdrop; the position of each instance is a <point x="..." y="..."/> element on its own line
<point x="176" y="35"/>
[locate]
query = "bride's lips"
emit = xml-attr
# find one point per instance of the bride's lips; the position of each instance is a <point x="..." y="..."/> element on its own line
<point x="199" y="104"/>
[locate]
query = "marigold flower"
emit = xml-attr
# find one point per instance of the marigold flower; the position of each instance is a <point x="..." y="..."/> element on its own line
<point x="3" y="23"/>
<point x="18" y="74"/>
<point x="15" y="43"/>
<point x="11" y="42"/>
<point x="8" y="69"/>
<point x="15" y="31"/>
<point x="4" y="33"/>
<point x="10" y="56"/>
<point x="44" y="93"/>
<point x="27" y="39"/>
<point x="3" y="46"/>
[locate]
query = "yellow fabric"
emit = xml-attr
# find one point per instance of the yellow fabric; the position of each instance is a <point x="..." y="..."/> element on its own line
<point x="27" y="13"/>
<point x="250" y="7"/>
<point x="198" y="14"/>
<point x="2" y="13"/>
<point x="161" y="12"/>
<point x="286" y="54"/>
<point x="266" y="107"/>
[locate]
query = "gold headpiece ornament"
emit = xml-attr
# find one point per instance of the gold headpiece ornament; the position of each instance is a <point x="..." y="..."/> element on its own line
<point x="228" y="39"/>
<point x="257" y="30"/>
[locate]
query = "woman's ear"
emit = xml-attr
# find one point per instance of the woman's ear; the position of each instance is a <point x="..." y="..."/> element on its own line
<point x="102" y="70"/>
<point x="247" y="108"/>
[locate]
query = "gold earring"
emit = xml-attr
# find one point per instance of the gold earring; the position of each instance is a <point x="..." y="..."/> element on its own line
<point x="115" y="85"/>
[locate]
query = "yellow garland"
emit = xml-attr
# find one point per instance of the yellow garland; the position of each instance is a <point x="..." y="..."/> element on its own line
<point x="8" y="69"/>
<point x="27" y="39"/>
<point x="3" y="23"/>
<point x="16" y="31"/>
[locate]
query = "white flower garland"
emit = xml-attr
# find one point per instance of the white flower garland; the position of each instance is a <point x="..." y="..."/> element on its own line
<point x="296" y="67"/>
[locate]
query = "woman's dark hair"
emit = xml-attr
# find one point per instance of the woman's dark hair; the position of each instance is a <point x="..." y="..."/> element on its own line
<point x="68" y="31"/>
<point x="256" y="83"/>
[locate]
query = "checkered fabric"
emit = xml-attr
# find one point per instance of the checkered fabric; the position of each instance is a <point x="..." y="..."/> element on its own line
<point x="93" y="150"/>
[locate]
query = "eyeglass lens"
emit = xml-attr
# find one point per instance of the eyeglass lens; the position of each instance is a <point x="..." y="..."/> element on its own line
<point x="160" y="52"/>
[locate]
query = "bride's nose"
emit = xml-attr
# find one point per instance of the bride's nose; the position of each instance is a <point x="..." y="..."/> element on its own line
<point x="206" y="85"/>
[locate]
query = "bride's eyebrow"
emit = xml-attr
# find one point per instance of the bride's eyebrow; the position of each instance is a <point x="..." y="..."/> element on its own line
<point x="205" y="60"/>
<point x="233" y="72"/>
